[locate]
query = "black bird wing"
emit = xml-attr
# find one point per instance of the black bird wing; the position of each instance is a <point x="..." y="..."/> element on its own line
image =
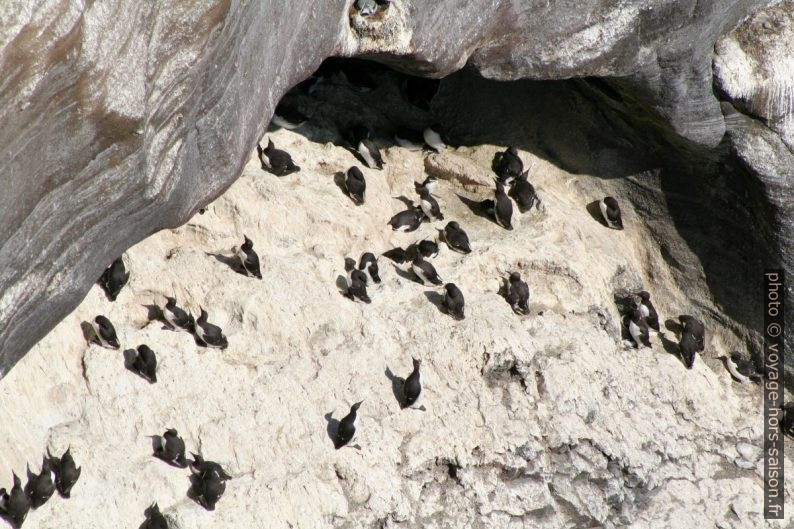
<point x="398" y="255"/>
<point x="356" y="188"/>
<point x="359" y="290"/>
<point x="430" y="272"/>
<point x="412" y="388"/>
<point x="346" y="430"/>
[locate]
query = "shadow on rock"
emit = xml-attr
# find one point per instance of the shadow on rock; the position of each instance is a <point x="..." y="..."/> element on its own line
<point x="332" y="427"/>
<point x="594" y="209"/>
<point x="231" y="261"/>
<point x="476" y="207"/>
<point x="405" y="274"/>
<point x="397" y="384"/>
<point x="436" y="299"/>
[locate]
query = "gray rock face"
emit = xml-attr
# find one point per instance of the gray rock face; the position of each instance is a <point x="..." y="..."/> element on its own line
<point x="120" y="119"/>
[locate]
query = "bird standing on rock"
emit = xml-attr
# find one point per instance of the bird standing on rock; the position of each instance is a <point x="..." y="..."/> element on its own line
<point x="429" y="205"/>
<point x="145" y="363"/>
<point x="14" y="506"/>
<point x="355" y="185"/>
<point x="365" y="147"/>
<point x="114" y="278"/>
<point x="456" y="238"/>
<point x="347" y="427"/>
<point x="696" y="328"/>
<point x="66" y="473"/>
<point x="369" y="265"/>
<point x="507" y="165"/>
<point x="105" y="333"/>
<point x="638" y="329"/>
<point x="209" y="334"/>
<point x="648" y="311"/>
<point x="408" y="220"/>
<point x="453" y="301"/>
<point x="412" y="389"/>
<point x="357" y="288"/>
<point x="275" y="160"/>
<point x="518" y="294"/>
<point x="176" y="317"/>
<point x="171" y="448"/>
<point x="41" y="487"/>
<point x="524" y="193"/>
<point x="425" y="271"/>
<point x="610" y="210"/>
<point x="249" y="258"/>
<point x="154" y="518"/>
<point x="503" y="207"/>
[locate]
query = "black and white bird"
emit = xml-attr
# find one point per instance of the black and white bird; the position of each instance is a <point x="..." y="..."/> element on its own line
<point x="366" y="8"/>
<point x="359" y="137"/>
<point x="429" y="183"/>
<point x="66" y="472"/>
<point x="249" y="259"/>
<point x="648" y="311"/>
<point x="610" y="210"/>
<point x="433" y="138"/>
<point x="154" y="518"/>
<point x="355" y="185"/>
<point x="145" y="363"/>
<point x="507" y="165"/>
<point x="412" y="389"/>
<point x="369" y="265"/>
<point x="453" y="301"/>
<point x="688" y="347"/>
<point x="288" y="116"/>
<point x="209" y="334"/>
<point x="199" y="465"/>
<point x="275" y="160"/>
<point x="114" y="278"/>
<point x="357" y="287"/>
<point x="696" y="328"/>
<point x="524" y="193"/>
<point x="410" y="139"/>
<point x="429" y="205"/>
<point x="105" y="333"/>
<point x="638" y="329"/>
<point x="208" y="487"/>
<point x="41" y="486"/>
<point x="170" y="448"/>
<point x="347" y="427"/>
<point x="503" y="207"/>
<point x="408" y="220"/>
<point x="176" y="317"/>
<point x="427" y="248"/>
<point x="14" y="506"/>
<point x="518" y="294"/>
<point x="425" y="271"/>
<point x="456" y="238"/>
<point x="740" y="368"/>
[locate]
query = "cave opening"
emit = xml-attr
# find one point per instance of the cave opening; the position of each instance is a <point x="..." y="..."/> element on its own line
<point x="708" y="217"/>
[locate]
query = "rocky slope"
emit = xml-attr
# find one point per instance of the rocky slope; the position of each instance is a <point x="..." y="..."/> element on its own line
<point x="120" y="119"/>
<point x="548" y="420"/>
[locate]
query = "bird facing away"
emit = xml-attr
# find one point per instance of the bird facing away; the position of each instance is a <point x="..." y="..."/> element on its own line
<point x="208" y="488"/>
<point x="357" y="288"/>
<point x="176" y="317"/>
<point x="518" y="294"/>
<point x="638" y="329"/>
<point x="648" y="311"/>
<point x="453" y="301"/>
<point x="687" y="346"/>
<point x="114" y="278"/>
<point x="66" y="473"/>
<point x="425" y="271"/>
<point x="369" y="265"/>
<point x="610" y="210"/>
<point x="40" y="487"/>
<point x="429" y="205"/>
<point x="209" y="334"/>
<point x="154" y="518"/>
<point x="171" y="448"/>
<point x="503" y="207"/>
<point x="412" y="389"/>
<point x="507" y="165"/>
<point x="14" y="506"/>
<point x="249" y="258"/>
<point x="355" y="185"/>
<point x="524" y="193"/>
<point x="456" y="238"/>
<point x="365" y="147"/>
<point x="408" y="220"/>
<point x="145" y="363"/>
<point x="105" y="333"/>
<point x="696" y="327"/>
<point x="275" y="160"/>
<point x="347" y="427"/>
